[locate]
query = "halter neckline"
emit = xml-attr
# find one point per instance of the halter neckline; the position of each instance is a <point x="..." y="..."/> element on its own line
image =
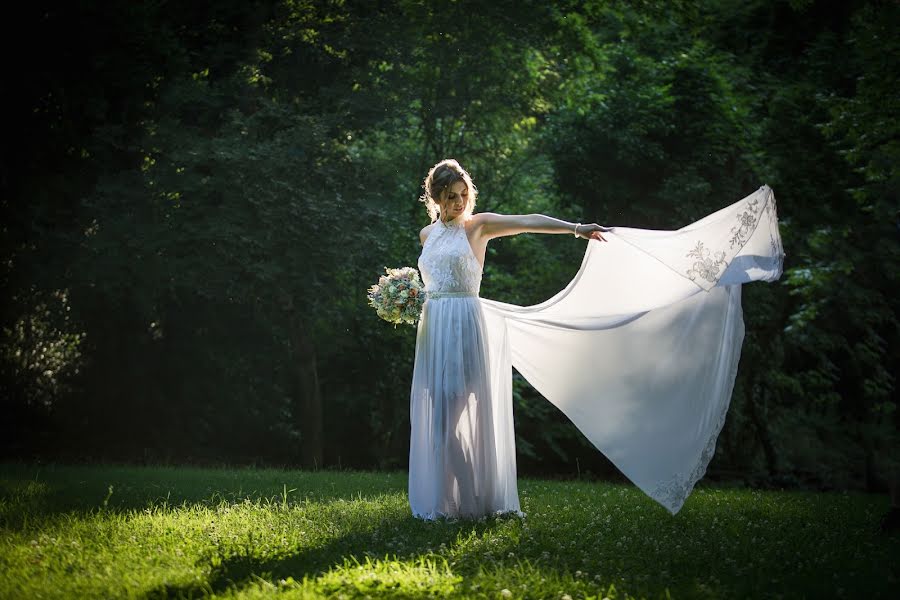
<point x="455" y="222"/>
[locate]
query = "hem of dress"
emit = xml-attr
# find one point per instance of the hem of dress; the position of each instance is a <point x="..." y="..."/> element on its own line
<point x="441" y="516"/>
<point x="673" y="494"/>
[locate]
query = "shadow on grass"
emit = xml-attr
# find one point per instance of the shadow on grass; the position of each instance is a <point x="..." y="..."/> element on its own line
<point x="30" y="493"/>
<point x="239" y="571"/>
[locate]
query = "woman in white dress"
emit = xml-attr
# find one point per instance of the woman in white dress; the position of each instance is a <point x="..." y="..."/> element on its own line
<point x="454" y="469"/>
<point x="640" y="350"/>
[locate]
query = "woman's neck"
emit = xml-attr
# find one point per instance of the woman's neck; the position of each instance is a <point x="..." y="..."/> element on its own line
<point x="454" y="221"/>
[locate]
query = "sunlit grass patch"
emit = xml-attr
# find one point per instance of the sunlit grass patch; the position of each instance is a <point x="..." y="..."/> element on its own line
<point x="400" y="579"/>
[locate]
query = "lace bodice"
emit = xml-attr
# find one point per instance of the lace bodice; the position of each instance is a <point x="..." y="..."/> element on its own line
<point x="447" y="263"/>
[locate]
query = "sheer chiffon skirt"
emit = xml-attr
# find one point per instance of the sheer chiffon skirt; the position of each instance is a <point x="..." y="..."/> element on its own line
<point x="461" y="448"/>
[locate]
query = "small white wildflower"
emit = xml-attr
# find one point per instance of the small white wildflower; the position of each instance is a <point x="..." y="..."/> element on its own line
<point x="506" y="593"/>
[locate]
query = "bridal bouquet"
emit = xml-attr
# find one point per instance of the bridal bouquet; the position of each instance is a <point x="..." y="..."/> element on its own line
<point x="398" y="296"/>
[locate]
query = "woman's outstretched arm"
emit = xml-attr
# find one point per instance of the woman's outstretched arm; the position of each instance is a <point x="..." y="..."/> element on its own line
<point x="496" y="225"/>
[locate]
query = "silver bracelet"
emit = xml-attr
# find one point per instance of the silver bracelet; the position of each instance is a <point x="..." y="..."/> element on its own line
<point x="576" y="229"/>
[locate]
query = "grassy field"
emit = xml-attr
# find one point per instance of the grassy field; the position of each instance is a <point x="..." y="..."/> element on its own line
<point x="156" y="532"/>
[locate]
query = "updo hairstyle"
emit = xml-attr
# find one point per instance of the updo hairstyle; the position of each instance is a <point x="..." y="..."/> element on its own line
<point x="438" y="182"/>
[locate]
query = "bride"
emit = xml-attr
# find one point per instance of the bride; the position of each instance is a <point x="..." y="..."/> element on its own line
<point x="645" y="373"/>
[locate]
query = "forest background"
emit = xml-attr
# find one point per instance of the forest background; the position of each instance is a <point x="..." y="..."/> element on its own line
<point x="196" y="196"/>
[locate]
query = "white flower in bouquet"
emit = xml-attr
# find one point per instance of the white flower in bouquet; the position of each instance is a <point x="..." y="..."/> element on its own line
<point x="398" y="296"/>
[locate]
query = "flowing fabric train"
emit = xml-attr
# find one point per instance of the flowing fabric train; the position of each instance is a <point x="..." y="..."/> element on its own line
<point x="641" y="349"/>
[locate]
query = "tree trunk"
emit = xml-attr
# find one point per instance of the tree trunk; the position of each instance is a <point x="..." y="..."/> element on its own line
<point x="762" y="430"/>
<point x="309" y="397"/>
<point x="305" y="391"/>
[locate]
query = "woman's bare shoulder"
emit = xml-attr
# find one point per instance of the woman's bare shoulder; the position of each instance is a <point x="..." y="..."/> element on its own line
<point x="486" y="217"/>
<point x="489" y="220"/>
<point x="423" y="234"/>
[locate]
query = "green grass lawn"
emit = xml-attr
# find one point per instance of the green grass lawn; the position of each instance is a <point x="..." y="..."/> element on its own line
<point x="155" y="532"/>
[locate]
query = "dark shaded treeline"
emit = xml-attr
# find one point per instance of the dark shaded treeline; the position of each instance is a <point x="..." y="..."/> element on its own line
<point x="195" y="199"/>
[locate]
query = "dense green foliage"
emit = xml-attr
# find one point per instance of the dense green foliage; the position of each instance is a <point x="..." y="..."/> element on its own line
<point x="196" y="199"/>
<point x="181" y="532"/>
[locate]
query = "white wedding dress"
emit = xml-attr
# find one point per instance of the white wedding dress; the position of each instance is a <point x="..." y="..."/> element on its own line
<point x="640" y="351"/>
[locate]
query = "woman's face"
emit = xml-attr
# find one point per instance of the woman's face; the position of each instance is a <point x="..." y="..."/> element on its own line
<point x="455" y="201"/>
